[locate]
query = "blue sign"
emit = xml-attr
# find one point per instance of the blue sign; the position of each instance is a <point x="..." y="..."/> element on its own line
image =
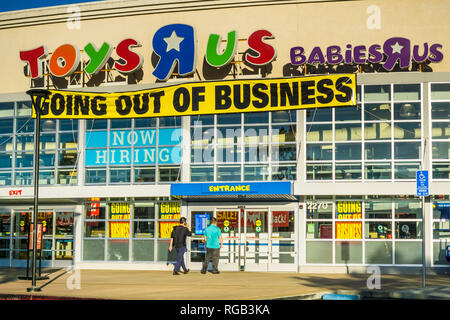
<point x="422" y="183"/>
<point x="444" y="208"/>
<point x="150" y="146"/>
<point x="234" y="188"/>
<point x="201" y="222"/>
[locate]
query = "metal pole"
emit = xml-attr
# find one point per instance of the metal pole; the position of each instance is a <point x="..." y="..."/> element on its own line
<point x="37" y="95"/>
<point x="37" y="133"/>
<point x="424" y="273"/>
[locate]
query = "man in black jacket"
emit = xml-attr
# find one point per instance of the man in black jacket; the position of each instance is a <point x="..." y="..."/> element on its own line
<point x="178" y="239"/>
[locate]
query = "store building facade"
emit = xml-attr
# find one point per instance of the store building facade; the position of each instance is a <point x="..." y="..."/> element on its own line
<point x="311" y="190"/>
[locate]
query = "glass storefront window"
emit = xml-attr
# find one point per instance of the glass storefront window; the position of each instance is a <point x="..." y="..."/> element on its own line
<point x="377" y="93"/>
<point x="169" y="173"/>
<point x="407" y="130"/>
<point x="120" y="175"/>
<point x="284" y="172"/>
<point x="441" y="170"/>
<point x="320" y="252"/>
<point x="6" y="109"/>
<point x="319" y="115"/>
<point x="5" y="224"/>
<point x="202" y="173"/>
<point x="348" y="252"/>
<point x="143" y="250"/>
<point x="24" y="108"/>
<point x="378" y="209"/>
<point x="406" y="170"/>
<point x="95" y="176"/>
<point x="441" y="150"/>
<point x="319" y="152"/>
<point x="228" y="173"/>
<point x="319" y="230"/>
<point x="319" y="132"/>
<point x="348" y="151"/>
<point x="64" y="249"/>
<point x="407" y="92"/>
<point x="407" y="111"/>
<point x="439" y="110"/>
<point x="117" y="250"/>
<point x="407" y="150"/>
<point x="24" y="125"/>
<point x="94" y="229"/>
<point x="23" y="178"/>
<point x="408" y="252"/>
<point x="439" y="253"/>
<point x="144" y="229"/>
<point x="408" y="230"/>
<point x="378" y="230"/>
<point x="440" y="130"/>
<point x="256" y="172"/>
<point x="440" y="91"/>
<point x="348" y="113"/>
<point x="377" y="151"/>
<point x="284" y="152"/>
<point x="441" y="230"/>
<point x="347" y="132"/>
<point x="345" y="171"/>
<point x="93" y="250"/>
<point x="144" y="210"/>
<point x="64" y="223"/>
<point x="319" y="171"/>
<point x="408" y="209"/>
<point x="378" y="252"/>
<point x="145" y="175"/>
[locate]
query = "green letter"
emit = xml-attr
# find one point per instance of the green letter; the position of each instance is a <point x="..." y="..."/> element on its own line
<point x="218" y="60"/>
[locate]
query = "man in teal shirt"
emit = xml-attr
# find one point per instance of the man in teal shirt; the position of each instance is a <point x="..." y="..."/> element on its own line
<point x="214" y="243"/>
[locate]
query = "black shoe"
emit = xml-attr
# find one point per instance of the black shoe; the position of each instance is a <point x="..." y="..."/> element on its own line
<point x="176" y="273"/>
<point x="186" y="271"/>
<point x="203" y="271"/>
<point x="215" y="272"/>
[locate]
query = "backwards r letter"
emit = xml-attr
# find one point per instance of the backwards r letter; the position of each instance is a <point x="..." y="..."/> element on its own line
<point x="174" y="42"/>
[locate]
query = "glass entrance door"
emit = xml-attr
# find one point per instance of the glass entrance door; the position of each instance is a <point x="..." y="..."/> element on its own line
<point x="254" y="239"/>
<point x="283" y="251"/>
<point x="229" y="222"/>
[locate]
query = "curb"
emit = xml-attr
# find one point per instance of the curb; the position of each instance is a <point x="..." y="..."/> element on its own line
<point x="431" y="293"/>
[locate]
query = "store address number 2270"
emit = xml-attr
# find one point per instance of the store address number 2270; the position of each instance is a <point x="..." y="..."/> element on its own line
<point x="317" y="205"/>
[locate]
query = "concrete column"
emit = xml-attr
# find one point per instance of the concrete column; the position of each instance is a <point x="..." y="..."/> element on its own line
<point x="185" y="149"/>
<point x="427" y="210"/>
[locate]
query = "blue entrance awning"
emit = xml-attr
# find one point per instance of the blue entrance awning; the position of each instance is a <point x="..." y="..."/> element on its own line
<point x="233" y="189"/>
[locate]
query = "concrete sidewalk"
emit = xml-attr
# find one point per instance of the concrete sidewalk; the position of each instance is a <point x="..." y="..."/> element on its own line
<point x="162" y="285"/>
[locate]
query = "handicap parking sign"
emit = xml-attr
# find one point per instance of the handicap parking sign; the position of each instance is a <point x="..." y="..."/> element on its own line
<point x="422" y="183"/>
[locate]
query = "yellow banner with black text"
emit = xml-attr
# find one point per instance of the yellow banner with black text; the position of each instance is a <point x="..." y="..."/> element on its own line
<point x="199" y="98"/>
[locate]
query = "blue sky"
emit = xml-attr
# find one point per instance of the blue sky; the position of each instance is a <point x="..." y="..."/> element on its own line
<point x="10" y="5"/>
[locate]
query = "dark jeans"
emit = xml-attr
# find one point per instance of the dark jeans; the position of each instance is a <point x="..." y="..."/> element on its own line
<point x="212" y="255"/>
<point x="180" y="260"/>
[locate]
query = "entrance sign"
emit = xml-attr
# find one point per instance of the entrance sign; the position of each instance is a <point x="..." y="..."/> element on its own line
<point x="422" y="183"/>
<point x="243" y="188"/>
<point x="217" y="97"/>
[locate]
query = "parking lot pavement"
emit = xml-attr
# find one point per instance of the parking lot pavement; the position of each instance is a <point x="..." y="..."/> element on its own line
<point x="162" y="285"/>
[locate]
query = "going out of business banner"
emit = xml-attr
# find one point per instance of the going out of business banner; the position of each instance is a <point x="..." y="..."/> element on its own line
<point x="200" y="98"/>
